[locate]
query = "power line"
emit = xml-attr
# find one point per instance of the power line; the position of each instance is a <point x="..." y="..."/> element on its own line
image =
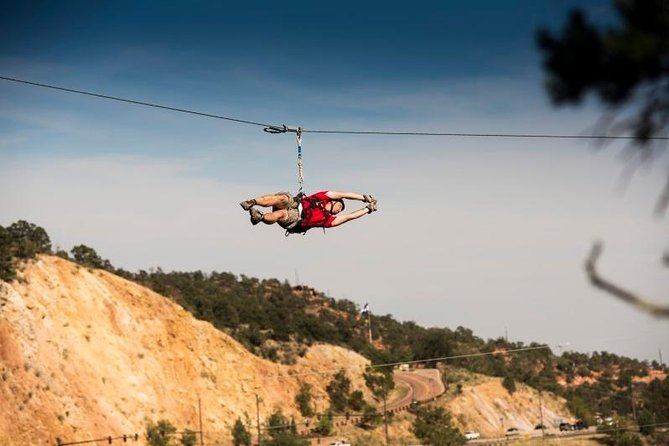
<point x="419" y="361"/>
<point x="125" y="437"/>
<point x="467" y="355"/>
<point x="272" y="128"/>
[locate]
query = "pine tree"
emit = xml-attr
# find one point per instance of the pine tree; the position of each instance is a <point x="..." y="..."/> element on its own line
<point x="240" y="435"/>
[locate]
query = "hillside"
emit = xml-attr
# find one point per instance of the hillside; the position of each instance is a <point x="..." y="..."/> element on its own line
<point x="90" y="349"/>
<point x="274" y="320"/>
<point x="486" y="406"/>
<point x="481" y="403"/>
<point x="86" y="353"/>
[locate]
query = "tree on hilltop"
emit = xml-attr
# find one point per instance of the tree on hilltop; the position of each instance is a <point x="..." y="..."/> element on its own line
<point x="20" y="241"/>
<point x="87" y="256"/>
<point x="28" y="239"/>
<point x="7" y="270"/>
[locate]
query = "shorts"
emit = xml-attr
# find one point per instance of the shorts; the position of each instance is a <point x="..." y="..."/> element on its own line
<point x="294" y="213"/>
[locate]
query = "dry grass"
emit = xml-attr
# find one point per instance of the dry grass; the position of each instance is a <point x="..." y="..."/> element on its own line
<point x="6" y="440"/>
<point x="557" y="442"/>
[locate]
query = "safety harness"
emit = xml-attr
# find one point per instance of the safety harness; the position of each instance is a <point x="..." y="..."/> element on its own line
<point x="313" y="203"/>
<point x="297" y="204"/>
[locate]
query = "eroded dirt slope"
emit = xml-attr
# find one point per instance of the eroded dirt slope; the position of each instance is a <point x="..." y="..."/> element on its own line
<point x="487" y="407"/>
<point x="85" y="353"/>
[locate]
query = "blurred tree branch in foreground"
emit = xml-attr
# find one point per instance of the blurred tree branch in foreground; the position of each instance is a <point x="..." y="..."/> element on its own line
<point x="617" y="291"/>
<point x="626" y="68"/>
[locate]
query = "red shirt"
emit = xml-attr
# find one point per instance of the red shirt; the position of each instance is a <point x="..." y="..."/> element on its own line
<point x="314" y="214"/>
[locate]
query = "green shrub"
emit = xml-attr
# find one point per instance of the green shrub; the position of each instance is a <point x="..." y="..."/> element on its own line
<point x="281" y="432"/>
<point x="356" y="401"/>
<point x="581" y="410"/>
<point x="324" y="426"/>
<point x="87" y="256"/>
<point x="188" y="438"/>
<point x="303" y="400"/>
<point x="646" y="421"/>
<point x="7" y="267"/>
<point x="20" y="241"/>
<point x="160" y="433"/>
<point x="623" y="438"/>
<point x="339" y="390"/>
<point x="370" y="417"/>
<point x="433" y="425"/>
<point x="240" y="435"/>
<point x="28" y="239"/>
<point x="509" y="384"/>
<point x="379" y="381"/>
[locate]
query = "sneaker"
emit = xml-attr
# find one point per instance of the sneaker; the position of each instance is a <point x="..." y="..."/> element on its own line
<point x="248" y="204"/>
<point x="373" y="206"/>
<point x="256" y="216"/>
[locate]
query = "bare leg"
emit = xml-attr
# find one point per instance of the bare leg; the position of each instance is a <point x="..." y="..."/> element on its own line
<point x="272" y="217"/>
<point x="279" y="201"/>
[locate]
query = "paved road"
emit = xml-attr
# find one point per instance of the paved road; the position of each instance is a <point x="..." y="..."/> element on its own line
<point x="423" y="385"/>
<point x="550" y="433"/>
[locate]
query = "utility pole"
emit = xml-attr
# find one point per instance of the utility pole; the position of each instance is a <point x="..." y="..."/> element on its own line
<point x="541" y="416"/>
<point x="199" y="411"/>
<point x="369" y="325"/>
<point x="562" y="345"/>
<point x="506" y="333"/>
<point x="385" y="417"/>
<point x="258" y="415"/>
<point x="636" y="421"/>
<point x="659" y="350"/>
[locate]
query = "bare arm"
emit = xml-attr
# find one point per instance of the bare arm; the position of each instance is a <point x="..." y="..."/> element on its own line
<point x="343" y="218"/>
<point x="345" y="195"/>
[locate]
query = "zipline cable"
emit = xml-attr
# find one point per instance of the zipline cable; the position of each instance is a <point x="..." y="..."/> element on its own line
<point x="133" y="101"/>
<point x="271" y="128"/>
<point x="479" y="135"/>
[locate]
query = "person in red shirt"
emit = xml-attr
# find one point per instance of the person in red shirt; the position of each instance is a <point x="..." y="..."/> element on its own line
<point x="299" y="214"/>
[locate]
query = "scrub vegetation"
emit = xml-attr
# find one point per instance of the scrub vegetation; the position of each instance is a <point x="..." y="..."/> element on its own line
<point x="278" y="321"/>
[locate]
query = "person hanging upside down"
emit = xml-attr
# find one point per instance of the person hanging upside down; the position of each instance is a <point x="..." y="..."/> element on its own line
<point x="295" y="214"/>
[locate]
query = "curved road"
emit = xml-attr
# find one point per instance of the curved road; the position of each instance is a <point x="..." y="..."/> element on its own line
<point x="423" y="384"/>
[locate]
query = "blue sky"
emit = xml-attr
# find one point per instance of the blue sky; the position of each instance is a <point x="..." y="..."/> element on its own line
<point x="307" y="42"/>
<point x="479" y="233"/>
<point x="274" y="61"/>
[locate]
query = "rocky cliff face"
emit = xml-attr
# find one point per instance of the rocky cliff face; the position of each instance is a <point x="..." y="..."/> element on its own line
<point x="487" y="407"/>
<point x="85" y="354"/>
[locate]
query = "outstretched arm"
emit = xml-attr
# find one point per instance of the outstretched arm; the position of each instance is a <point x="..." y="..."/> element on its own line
<point x="343" y="218"/>
<point x="345" y="195"/>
